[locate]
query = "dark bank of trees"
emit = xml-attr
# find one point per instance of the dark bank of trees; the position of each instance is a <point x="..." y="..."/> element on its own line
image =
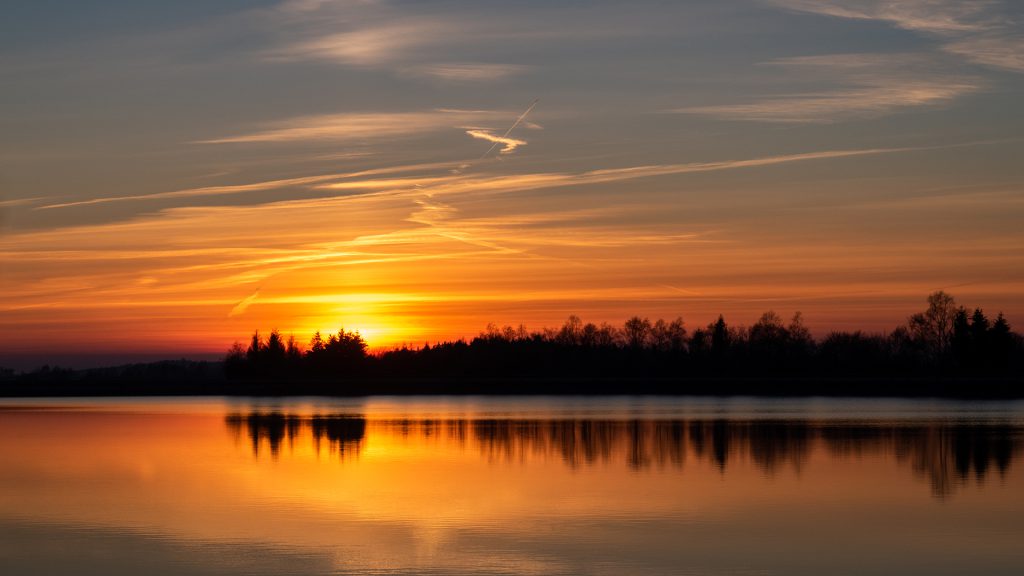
<point x="943" y="340"/>
<point x="343" y="353"/>
<point x="164" y="377"/>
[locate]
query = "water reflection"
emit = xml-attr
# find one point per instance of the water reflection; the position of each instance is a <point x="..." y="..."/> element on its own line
<point x="946" y="454"/>
<point x="513" y="486"/>
<point x="344" y="434"/>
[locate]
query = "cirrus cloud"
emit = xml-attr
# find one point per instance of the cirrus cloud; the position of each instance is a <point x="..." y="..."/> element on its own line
<point x="359" y="126"/>
<point x="865" y="86"/>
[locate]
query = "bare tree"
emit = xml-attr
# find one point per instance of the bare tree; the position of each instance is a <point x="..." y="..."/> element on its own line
<point x="638" y="331"/>
<point x="669" y="336"/>
<point x="934" y="326"/>
<point x="571" y="333"/>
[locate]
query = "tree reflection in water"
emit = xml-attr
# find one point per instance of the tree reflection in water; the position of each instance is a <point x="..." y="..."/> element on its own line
<point x="946" y="454"/>
<point x="344" y="434"/>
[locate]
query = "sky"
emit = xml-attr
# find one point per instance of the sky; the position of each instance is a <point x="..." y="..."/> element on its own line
<point x="175" y="175"/>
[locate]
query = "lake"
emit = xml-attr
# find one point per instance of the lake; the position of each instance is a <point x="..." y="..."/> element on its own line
<point x="473" y="485"/>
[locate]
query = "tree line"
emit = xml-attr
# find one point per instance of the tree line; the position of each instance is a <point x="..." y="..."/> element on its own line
<point x="945" y="339"/>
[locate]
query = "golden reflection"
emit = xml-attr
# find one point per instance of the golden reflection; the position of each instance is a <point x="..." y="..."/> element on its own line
<point x="417" y="485"/>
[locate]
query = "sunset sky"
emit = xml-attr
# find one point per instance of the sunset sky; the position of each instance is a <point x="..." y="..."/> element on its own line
<point x="174" y="175"/>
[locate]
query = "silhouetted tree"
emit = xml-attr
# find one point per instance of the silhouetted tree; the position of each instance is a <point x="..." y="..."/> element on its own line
<point x="979" y="325"/>
<point x="316" y="343"/>
<point x="235" y="362"/>
<point x="637" y="331"/>
<point x="934" y="327"/>
<point x="699" y="344"/>
<point x="853" y="353"/>
<point x="979" y="346"/>
<point x="669" y="336"/>
<point x="571" y="333"/>
<point x="607" y="335"/>
<point x="962" y="341"/>
<point x="293" y="355"/>
<point x="721" y="338"/>
<point x="256" y="347"/>
<point x="1006" y="347"/>
<point x="274" y="350"/>
<point x="799" y="335"/>
<point x="943" y="338"/>
<point x="767" y="340"/>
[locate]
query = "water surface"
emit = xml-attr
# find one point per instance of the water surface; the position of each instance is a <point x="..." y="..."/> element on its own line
<point x="519" y="486"/>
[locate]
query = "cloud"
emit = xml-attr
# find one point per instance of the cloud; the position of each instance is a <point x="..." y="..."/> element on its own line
<point x="370" y="184"/>
<point x="255" y="186"/>
<point x="615" y="174"/>
<point x="432" y="40"/>
<point x="374" y="188"/>
<point x="468" y="71"/>
<point x="202" y="191"/>
<point x="359" y="126"/>
<point x="369" y="46"/>
<point x="241" y="307"/>
<point x="838" y="105"/>
<point x="869" y="86"/>
<point x="367" y="180"/>
<point x="385" y="184"/>
<point x="981" y="31"/>
<point x="303" y="6"/>
<point x="509" y="144"/>
<point x="934" y="16"/>
<point x="374" y="35"/>
<point x="1003" y="51"/>
<point x="479" y="185"/>
<point x="19" y="202"/>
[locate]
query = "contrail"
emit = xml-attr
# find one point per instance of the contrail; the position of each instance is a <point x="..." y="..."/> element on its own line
<point x="513" y="127"/>
<point x="244" y="304"/>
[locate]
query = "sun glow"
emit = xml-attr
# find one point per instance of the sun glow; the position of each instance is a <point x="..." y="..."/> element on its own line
<point x="377" y="333"/>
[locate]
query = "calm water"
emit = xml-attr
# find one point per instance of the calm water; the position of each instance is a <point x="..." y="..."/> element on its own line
<point x="535" y="486"/>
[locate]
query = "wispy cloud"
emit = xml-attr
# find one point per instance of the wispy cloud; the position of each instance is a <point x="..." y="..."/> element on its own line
<point x="1004" y="51"/>
<point x="19" y="202"/>
<point x="449" y="183"/>
<point x="370" y="46"/>
<point x="360" y="177"/>
<point x="508" y="144"/>
<point x="359" y="126"/>
<point x="244" y="304"/>
<point x="480" y="185"/>
<point x="870" y="85"/>
<point x="486" y="185"/>
<point x="611" y="175"/>
<point x="981" y="31"/>
<point x="468" y="71"/>
<point x="370" y="182"/>
<point x="201" y="191"/>
<point x="377" y="35"/>
<point x="385" y="183"/>
<point x="937" y="16"/>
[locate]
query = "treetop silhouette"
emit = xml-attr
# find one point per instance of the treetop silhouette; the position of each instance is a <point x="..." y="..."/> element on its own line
<point x="944" y="339"/>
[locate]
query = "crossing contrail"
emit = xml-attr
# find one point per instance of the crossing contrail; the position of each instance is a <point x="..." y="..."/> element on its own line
<point x="511" y="128"/>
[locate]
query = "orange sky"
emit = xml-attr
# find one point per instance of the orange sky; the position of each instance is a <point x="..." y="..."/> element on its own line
<point x="403" y="263"/>
<point x="308" y="179"/>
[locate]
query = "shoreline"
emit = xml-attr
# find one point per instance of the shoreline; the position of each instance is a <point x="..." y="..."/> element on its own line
<point x="994" y="388"/>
